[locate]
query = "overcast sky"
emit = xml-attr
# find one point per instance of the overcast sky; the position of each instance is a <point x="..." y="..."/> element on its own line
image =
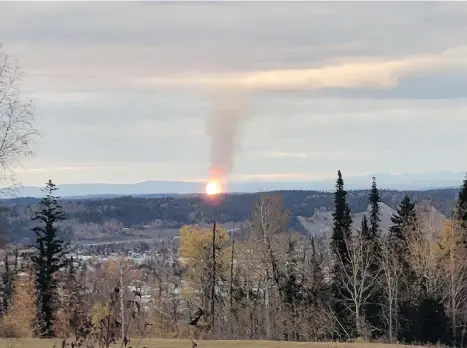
<point x="123" y="90"/>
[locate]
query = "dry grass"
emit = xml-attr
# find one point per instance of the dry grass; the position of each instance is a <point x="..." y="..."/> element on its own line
<point x="163" y="343"/>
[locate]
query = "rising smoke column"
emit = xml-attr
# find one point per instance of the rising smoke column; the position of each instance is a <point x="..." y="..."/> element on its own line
<point x="224" y="126"/>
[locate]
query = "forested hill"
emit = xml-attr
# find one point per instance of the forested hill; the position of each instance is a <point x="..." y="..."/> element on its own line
<point x="101" y="218"/>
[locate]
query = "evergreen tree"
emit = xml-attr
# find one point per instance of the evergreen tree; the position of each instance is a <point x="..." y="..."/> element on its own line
<point x="8" y="278"/>
<point x="7" y="284"/>
<point x="375" y="212"/>
<point x="365" y="230"/>
<point x="342" y="220"/>
<point x="291" y="286"/>
<point x="373" y="309"/>
<point x="462" y="205"/>
<point x="49" y="258"/>
<point x="340" y="235"/>
<point x="424" y="322"/>
<point x="404" y="222"/>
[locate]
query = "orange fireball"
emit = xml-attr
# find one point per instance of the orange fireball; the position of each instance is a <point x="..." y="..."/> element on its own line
<point x="213" y="187"/>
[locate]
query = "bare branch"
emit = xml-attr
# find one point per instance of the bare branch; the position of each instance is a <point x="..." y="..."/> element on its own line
<point x="17" y="132"/>
<point x="357" y="281"/>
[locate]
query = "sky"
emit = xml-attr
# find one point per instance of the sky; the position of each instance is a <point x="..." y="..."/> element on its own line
<point x="123" y="90"/>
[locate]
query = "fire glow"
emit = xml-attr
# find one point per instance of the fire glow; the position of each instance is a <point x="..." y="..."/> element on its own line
<point x="213" y="187"/>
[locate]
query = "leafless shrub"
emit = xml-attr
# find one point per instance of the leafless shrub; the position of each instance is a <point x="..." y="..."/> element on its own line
<point x="106" y="330"/>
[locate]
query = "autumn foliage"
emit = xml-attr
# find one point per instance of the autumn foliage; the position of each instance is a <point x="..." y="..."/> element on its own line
<point x="19" y="321"/>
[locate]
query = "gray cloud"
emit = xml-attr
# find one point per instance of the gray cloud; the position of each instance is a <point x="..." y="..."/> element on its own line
<point x="101" y="45"/>
<point x="127" y="85"/>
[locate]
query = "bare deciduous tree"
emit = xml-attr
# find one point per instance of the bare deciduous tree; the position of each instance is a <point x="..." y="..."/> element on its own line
<point x="17" y="132"/>
<point x="119" y="270"/>
<point x="268" y="220"/>
<point x="392" y="273"/>
<point x="357" y="279"/>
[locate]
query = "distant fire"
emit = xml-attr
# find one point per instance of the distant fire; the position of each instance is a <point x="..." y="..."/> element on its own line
<point x="213" y="187"/>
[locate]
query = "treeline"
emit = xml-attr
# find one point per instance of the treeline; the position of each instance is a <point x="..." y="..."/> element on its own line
<point x="408" y="284"/>
<point x="97" y="218"/>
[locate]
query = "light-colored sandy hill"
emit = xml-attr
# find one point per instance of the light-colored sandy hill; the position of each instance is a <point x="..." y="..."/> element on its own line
<point x="433" y="218"/>
<point x="321" y="222"/>
<point x="386" y="213"/>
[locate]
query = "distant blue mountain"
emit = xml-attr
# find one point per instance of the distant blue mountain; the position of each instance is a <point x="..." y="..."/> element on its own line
<point x="406" y="181"/>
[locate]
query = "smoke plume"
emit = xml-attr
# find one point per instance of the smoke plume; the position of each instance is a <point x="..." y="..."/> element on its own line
<point x="225" y="126"/>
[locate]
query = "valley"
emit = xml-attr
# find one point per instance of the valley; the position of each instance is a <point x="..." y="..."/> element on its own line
<point x="130" y="218"/>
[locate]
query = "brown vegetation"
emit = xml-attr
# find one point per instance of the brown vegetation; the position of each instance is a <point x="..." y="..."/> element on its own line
<point x="19" y="319"/>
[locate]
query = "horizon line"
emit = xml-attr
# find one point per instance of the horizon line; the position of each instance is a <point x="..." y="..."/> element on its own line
<point x="262" y="178"/>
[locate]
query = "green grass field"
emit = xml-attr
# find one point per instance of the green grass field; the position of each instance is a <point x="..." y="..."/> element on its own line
<point x="163" y="343"/>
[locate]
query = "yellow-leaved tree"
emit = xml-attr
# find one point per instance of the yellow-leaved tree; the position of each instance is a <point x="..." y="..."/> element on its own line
<point x="195" y="251"/>
<point x="452" y="262"/>
<point x="204" y="277"/>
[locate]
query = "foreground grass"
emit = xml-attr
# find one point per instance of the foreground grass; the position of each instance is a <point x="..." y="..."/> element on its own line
<point x="165" y="343"/>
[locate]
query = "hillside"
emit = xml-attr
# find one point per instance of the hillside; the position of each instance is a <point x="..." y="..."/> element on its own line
<point x="138" y="217"/>
<point x="321" y="222"/>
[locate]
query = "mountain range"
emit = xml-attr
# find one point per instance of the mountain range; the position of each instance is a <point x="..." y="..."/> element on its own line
<point x="405" y="181"/>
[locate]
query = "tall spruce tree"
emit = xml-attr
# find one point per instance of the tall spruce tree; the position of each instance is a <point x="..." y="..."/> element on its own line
<point x="462" y="205"/>
<point x="342" y="220"/>
<point x="373" y="309"/>
<point x="375" y="212"/>
<point x="404" y="221"/>
<point x="340" y="235"/>
<point x="50" y="257"/>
